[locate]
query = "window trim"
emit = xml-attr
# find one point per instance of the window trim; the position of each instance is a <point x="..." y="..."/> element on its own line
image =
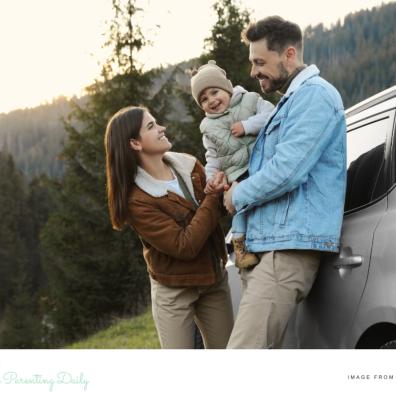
<point x="373" y="102"/>
<point x="366" y="205"/>
<point x="368" y="123"/>
<point x="392" y="152"/>
<point x="371" y="116"/>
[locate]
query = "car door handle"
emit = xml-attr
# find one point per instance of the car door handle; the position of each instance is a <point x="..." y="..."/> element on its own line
<point x="347" y="260"/>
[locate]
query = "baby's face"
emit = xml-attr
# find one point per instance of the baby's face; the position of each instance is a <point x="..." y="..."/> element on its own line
<point x="214" y="100"/>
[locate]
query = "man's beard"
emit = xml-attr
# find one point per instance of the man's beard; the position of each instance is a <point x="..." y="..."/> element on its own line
<point x="277" y="83"/>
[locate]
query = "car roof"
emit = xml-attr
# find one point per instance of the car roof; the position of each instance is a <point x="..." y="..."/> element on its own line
<point x="372" y="101"/>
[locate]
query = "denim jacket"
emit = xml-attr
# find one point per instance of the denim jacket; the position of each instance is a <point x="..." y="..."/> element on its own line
<point x="294" y="197"/>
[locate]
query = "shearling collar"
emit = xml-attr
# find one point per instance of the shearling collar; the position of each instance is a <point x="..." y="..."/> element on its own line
<point x="183" y="163"/>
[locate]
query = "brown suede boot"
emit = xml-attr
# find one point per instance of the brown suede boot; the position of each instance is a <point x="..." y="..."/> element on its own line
<point x="243" y="259"/>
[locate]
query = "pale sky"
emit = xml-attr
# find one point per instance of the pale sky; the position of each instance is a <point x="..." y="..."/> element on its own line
<point x="53" y="47"/>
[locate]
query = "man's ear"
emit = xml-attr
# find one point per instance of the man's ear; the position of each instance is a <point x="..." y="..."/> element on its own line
<point x="135" y="145"/>
<point x="291" y="54"/>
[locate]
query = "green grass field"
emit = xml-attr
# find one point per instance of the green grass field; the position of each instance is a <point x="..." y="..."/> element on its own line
<point x="135" y="333"/>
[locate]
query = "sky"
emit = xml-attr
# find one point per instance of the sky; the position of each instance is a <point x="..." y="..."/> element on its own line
<point x="55" y="47"/>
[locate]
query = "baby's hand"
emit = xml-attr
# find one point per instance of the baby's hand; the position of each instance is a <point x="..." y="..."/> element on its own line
<point x="209" y="188"/>
<point x="237" y="129"/>
<point x="217" y="184"/>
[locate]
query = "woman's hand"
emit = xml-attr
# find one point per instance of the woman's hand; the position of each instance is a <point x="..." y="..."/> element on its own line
<point x="217" y="185"/>
<point x="209" y="188"/>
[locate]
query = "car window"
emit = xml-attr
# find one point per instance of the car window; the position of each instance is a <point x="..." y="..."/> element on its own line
<point x="367" y="176"/>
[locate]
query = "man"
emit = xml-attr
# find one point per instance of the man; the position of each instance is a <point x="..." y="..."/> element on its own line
<point x="294" y="196"/>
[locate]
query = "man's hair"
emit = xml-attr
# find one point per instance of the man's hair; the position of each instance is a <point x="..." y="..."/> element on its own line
<point x="278" y="33"/>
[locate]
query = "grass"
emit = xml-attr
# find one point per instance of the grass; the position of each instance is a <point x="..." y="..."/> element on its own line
<point x="136" y="333"/>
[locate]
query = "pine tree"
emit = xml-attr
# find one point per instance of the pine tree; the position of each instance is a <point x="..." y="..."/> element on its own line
<point x="94" y="272"/>
<point x="358" y="56"/>
<point x="20" y="324"/>
<point x="39" y="206"/>
<point x="12" y="210"/>
<point x="226" y="47"/>
<point x="225" y="44"/>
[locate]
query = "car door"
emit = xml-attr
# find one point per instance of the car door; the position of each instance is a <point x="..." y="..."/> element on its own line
<point x="324" y="319"/>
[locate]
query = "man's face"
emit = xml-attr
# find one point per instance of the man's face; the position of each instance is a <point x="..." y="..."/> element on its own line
<point x="268" y="66"/>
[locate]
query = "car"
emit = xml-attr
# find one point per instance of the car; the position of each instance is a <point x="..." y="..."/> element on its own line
<point x="352" y="303"/>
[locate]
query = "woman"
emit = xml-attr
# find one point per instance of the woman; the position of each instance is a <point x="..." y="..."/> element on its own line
<point x="160" y="194"/>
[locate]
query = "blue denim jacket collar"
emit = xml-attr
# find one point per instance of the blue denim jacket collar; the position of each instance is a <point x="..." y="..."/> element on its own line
<point x="301" y="77"/>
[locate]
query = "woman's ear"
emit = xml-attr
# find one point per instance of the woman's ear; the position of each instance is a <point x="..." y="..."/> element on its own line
<point x="135" y="145"/>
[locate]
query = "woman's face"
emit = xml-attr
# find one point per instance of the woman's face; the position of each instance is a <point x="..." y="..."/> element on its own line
<point x="152" y="138"/>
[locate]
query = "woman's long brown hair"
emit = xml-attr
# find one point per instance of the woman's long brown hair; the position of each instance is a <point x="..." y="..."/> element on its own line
<point x="121" y="161"/>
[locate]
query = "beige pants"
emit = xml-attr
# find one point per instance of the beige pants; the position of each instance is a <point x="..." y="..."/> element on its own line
<point x="176" y="308"/>
<point x="270" y="292"/>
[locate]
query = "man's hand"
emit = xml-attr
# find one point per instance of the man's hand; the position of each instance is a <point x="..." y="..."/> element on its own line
<point x="217" y="184"/>
<point x="237" y="129"/>
<point x="228" y="199"/>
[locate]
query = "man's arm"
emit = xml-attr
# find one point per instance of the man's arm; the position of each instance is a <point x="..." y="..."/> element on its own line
<point x="307" y="130"/>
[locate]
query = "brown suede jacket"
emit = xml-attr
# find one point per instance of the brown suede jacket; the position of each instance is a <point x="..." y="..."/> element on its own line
<point x="182" y="245"/>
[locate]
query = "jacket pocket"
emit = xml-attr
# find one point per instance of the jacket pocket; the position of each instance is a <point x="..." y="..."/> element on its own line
<point x="282" y="209"/>
<point x="272" y="139"/>
<point x="266" y="216"/>
<point x="273" y="125"/>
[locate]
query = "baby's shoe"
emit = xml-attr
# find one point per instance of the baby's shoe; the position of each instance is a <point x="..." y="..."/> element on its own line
<point x="243" y="259"/>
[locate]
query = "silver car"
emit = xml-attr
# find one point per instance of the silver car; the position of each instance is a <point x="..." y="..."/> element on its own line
<point x="353" y="301"/>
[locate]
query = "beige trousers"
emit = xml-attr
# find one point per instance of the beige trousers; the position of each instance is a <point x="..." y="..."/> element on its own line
<point x="270" y="292"/>
<point x="175" y="309"/>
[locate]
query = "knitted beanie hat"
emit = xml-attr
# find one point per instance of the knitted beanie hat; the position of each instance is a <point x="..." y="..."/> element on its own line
<point x="208" y="76"/>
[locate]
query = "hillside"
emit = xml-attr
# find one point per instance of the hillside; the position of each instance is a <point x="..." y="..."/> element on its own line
<point x="358" y="56"/>
<point x="135" y="333"/>
<point x="35" y="137"/>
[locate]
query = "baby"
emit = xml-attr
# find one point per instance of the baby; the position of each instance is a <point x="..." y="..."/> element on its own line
<point x="233" y="118"/>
